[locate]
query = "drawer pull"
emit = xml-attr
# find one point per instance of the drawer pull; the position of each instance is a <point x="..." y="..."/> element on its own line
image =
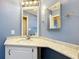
<point x="9" y="52"/>
<point x="32" y="50"/>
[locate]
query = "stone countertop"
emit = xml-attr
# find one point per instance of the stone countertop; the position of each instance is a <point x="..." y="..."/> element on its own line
<point x="70" y="50"/>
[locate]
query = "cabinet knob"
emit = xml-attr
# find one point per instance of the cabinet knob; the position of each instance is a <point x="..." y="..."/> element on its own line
<point x="9" y="52"/>
<point x="32" y="50"/>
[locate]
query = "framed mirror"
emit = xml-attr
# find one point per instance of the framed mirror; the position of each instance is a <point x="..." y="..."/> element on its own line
<point x="30" y="17"/>
<point x="55" y="16"/>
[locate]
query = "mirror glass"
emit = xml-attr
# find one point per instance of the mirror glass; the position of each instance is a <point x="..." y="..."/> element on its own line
<point x="30" y="17"/>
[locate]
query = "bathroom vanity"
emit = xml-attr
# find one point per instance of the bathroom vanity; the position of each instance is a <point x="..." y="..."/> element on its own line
<point x="21" y="48"/>
<point x="20" y="52"/>
<point x="15" y="51"/>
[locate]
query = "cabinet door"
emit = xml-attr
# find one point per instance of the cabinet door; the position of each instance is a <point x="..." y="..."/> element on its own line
<point x="19" y="53"/>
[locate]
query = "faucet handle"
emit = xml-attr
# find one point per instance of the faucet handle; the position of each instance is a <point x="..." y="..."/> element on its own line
<point x="28" y="36"/>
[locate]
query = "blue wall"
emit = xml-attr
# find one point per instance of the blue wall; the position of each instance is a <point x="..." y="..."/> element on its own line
<point x="9" y="19"/>
<point x="70" y="25"/>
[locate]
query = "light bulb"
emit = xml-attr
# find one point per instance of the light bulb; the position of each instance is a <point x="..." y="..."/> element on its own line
<point x="27" y="3"/>
<point x="22" y="3"/>
<point x="35" y="2"/>
<point x="30" y="2"/>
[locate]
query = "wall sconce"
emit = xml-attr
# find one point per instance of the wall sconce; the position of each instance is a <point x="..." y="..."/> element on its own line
<point x="43" y="9"/>
<point x="43" y="12"/>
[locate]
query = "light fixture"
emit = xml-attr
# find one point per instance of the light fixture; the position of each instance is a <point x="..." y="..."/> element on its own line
<point x="43" y="12"/>
<point x="30" y="2"/>
<point x="22" y="3"/>
<point x="35" y="2"/>
<point x="43" y="9"/>
<point x="27" y="3"/>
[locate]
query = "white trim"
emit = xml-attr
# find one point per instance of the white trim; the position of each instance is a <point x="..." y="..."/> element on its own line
<point x="37" y="23"/>
<point x="21" y="18"/>
<point x="38" y="19"/>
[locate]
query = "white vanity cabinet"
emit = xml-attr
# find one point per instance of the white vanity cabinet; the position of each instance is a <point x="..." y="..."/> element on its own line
<point x="19" y="52"/>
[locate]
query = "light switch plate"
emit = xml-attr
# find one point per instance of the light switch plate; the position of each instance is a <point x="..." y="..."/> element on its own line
<point x="12" y="32"/>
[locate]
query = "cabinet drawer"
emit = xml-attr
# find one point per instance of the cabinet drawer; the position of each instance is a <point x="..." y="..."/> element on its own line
<point x="19" y="48"/>
<point x="20" y="52"/>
